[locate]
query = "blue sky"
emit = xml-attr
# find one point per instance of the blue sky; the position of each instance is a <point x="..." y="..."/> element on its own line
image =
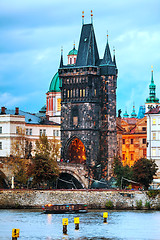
<point x="33" y="31"/>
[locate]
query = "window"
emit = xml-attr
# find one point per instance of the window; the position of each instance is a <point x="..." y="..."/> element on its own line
<point x="84" y="92"/>
<point x="153" y="152"/>
<point x="132" y="157"/>
<point x="54" y="132"/>
<point x="68" y="94"/>
<point x="27" y="131"/>
<point x="0" y="145"/>
<point x="70" y="60"/>
<point x="75" y="121"/>
<point x="71" y="94"/>
<point x="0" y="130"/>
<point x="144" y="140"/>
<point x="123" y="156"/>
<point x="30" y="131"/>
<point x="40" y="132"/>
<point x="123" y="141"/>
<point x="154" y="136"/>
<point x="44" y="132"/>
<point x="17" y="130"/>
<point x="59" y="104"/>
<point x="95" y="92"/>
<point x="143" y="128"/>
<point x="80" y="92"/>
<point x="153" y="121"/>
<point x="131" y="141"/>
<point x="57" y="133"/>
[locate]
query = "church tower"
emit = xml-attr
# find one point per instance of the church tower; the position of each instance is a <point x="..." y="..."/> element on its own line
<point x="88" y="107"/>
<point x="152" y="101"/>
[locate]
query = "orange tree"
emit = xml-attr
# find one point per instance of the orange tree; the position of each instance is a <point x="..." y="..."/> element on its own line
<point x="45" y="168"/>
<point x="144" y="170"/>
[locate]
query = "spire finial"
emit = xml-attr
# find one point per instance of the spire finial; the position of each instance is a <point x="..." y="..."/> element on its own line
<point x="82" y="17"/>
<point x="152" y="68"/>
<point x="107" y="35"/>
<point x="61" y="61"/>
<point x="74" y="45"/>
<point x="61" y="50"/>
<point x="91" y="17"/>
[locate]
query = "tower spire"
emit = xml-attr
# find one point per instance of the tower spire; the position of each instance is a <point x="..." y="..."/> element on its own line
<point x="107" y="59"/>
<point x="152" y="91"/>
<point x="82" y="17"/>
<point x="114" y="57"/>
<point x="91" y="17"/>
<point x="61" y="61"/>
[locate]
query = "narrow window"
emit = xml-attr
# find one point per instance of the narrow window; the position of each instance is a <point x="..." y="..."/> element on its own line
<point x="59" y="104"/>
<point x="0" y="130"/>
<point x="144" y="140"/>
<point x="30" y="133"/>
<point x="95" y="92"/>
<point x="132" y="157"/>
<point x="40" y="132"/>
<point x="57" y="133"/>
<point x="80" y="92"/>
<point x="68" y="94"/>
<point x="123" y="141"/>
<point x="153" y="121"/>
<point x="71" y="94"/>
<point x="27" y="131"/>
<point x="44" y="132"/>
<point x="143" y="128"/>
<point x="154" y="136"/>
<point x="0" y="145"/>
<point x="75" y="121"/>
<point x="84" y="93"/>
<point x="54" y="133"/>
<point x="123" y="156"/>
<point x="132" y="141"/>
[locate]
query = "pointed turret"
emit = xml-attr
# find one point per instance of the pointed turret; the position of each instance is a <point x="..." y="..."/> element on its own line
<point x="107" y="59"/>
<point x="152" y="91"/>
<point x="114" y="58"/>
<point x="87" y="50"/>
<point x="61" y="61"/>
<point x="125" y="115"/>
<point x="133" y="114"/>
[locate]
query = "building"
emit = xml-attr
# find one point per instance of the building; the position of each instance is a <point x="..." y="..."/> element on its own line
<point x="153" y="136"/>
<point x="32" y="126"/>
<point x="88" y="105"/>
<point x="134" y="143"/>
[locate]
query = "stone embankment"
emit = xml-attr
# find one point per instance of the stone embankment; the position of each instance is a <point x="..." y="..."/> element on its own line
<point x="95" y="199"/>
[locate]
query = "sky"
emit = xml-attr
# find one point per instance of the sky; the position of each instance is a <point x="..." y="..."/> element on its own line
<point x="32" y="33"/>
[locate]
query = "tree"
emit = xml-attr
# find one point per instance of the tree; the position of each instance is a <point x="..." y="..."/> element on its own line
<point x="144" y="170"/>
<point x="18" y="159"/>
<point x="121" y="171"/>
<point x="45" y="168"/>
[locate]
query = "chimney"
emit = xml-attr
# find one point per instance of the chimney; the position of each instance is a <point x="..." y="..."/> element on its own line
<point x="16" y="111"/>
<point x="3" y="110"/>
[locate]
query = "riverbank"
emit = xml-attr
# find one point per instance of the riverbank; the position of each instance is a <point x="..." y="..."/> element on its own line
<point x="95" y="199"/>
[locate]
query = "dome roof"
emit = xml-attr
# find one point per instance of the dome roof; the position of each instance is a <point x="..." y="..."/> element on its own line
<point x="54" y="85"/>
<point x="73" y="52"/>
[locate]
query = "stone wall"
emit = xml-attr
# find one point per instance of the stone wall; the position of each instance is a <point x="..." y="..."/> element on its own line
<point x="93" y="198"/>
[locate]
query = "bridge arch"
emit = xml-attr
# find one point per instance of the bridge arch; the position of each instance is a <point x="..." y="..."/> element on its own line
<point x="75" y="151"/>
<point x="74" y="172"/>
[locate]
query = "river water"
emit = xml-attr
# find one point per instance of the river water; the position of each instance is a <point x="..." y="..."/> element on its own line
<point x="126" y="225"/>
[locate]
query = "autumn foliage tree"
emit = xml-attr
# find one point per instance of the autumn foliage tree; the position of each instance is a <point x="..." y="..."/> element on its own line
<point x="17" y="159"/>
<point x="45" y="168"/>
<point x="143" y="171"/>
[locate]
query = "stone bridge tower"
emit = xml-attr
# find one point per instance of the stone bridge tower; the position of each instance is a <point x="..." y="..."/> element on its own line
<point x="88" y="112"/>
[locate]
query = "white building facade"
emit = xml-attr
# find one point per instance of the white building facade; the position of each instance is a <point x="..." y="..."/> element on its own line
<point x="31" y="125"/>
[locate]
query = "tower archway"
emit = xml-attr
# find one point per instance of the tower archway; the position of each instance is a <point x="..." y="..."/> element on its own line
<point x="76" y="152"/>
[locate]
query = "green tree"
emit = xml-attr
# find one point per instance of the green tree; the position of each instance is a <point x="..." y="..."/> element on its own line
<point x="121" y="171"/>
<point x="45" y="168"/>
<point x="143" y="171"/>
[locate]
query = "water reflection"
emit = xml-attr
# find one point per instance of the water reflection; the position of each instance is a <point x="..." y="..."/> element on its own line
<point x="122" y="225"/>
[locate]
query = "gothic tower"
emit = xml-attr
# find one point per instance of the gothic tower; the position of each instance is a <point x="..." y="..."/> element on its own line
<point x="88" y="107"/>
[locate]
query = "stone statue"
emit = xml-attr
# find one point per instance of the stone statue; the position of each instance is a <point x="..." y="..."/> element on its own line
<point x="119" y="113"/>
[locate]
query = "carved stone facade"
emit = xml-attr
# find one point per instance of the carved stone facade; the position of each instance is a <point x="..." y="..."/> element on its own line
<point x="88" y="107"/>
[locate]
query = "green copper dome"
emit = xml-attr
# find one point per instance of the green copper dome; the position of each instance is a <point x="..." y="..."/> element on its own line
<point x="125" y="115"/>
<point x="73" y="51"/>
<point x="54" y="85"/>
<point x="133" y="114"/>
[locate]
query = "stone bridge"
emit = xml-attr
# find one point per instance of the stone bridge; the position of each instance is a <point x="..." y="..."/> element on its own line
<point x="79" y="171"/>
